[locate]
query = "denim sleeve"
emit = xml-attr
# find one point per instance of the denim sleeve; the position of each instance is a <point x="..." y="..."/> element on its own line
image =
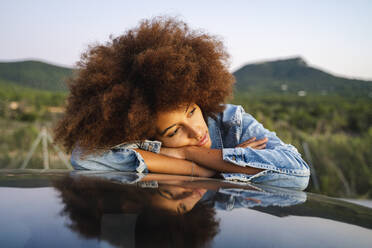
<point x="231" y="198"/>
<point x="119" y="158"/>
<point x="282" y="159"/>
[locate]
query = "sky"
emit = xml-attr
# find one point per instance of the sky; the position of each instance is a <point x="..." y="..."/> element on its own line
<point x="333" y="35"/>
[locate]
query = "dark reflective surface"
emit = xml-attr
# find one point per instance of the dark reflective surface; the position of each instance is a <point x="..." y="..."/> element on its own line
<point x="111" y="209"/>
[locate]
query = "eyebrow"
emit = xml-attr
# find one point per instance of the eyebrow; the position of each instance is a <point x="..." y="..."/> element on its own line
<point x="165" y="130"/>
<point x="187" y="107"/>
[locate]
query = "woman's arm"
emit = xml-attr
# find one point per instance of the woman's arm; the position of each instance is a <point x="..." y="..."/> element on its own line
<point x="280" y="158"/>
<point x="158" y="163"/>
<point x="136" y="160"/>
<point x="212" y="159"/>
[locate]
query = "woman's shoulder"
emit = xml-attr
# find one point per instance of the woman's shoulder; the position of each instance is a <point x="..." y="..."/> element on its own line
<point x="232" y="115"/>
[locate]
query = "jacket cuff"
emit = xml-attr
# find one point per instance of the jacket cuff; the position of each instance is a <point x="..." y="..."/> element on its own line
<point x="151" y="146"/>
<point x="147" y="145"/>
<point x="141" y="166"/>
<point x="244" y="157"/>
<point x="119" y="160"/>
<point x="273" y="160"/>
<point x="234" y="155"/>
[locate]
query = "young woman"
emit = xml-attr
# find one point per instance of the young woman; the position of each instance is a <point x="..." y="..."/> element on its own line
<point x="153" y="100"/>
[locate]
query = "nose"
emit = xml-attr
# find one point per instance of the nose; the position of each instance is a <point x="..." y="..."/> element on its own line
<point x="196" y="132"/>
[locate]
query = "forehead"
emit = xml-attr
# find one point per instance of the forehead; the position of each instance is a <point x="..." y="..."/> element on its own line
<point x="166" y="118"/>
<point x="171" y="114"/>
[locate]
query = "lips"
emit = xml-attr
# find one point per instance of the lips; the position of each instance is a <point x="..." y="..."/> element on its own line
<point x="204" y="140"/>
<point x="200" y="192"/>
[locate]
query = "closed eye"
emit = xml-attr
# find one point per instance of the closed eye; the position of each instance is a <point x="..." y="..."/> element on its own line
<point x="172" y="134"/>
<point x="181" y="208"/>
<point x="190" y="113"/>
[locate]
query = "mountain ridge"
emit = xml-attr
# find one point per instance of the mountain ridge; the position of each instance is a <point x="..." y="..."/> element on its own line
<point x="35" y="74"/>
<point x="293" y="75"/>
<point x="286" y="75"/>
<point x="262" y="61"/>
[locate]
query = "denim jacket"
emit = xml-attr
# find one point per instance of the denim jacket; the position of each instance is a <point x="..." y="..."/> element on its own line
<point x="281" y="163"/>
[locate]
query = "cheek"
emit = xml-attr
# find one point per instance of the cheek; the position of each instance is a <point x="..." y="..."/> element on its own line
<point x="201" y="120"/>
<point x="178" y="141"/>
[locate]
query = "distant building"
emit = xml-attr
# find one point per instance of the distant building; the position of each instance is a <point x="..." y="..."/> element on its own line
<point x="56" y="110"/>
<point x="14" y="105"/>
<point x="301" y="93"/>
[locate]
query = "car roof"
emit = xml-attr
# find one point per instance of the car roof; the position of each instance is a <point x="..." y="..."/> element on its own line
<point x="59" y="208"/>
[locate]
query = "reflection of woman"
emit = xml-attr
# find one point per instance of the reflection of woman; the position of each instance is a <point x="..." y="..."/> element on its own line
<point x="125" y="215"/>
<point x="153" y="100"/>
<point x="143" y="212"/>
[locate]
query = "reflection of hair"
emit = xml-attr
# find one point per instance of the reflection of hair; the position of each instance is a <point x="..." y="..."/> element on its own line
<point x="157" y="228"/>
<point x="120" y="86"/>
<point x="88" y="200"/>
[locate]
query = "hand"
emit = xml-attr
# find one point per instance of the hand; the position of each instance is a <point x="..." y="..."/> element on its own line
<point x="253" y="143"/>
<point x="178" y="152"/>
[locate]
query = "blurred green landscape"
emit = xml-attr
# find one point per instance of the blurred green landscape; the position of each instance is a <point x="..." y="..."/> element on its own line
<point x="328" y="118"/>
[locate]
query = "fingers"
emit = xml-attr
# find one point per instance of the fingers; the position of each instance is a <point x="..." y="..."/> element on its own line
<point x="247" y="141"/>
<point x="258" y="144"/>
<point x="261" y="141"/>
<point x="260" y="147"/>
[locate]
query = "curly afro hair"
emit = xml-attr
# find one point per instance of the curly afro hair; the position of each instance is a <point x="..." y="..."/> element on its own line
<point x="120" y="87"/>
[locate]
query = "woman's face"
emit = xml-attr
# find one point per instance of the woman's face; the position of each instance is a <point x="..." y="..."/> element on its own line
<point x="184" y="126"/>
<point x="177" y="199"/>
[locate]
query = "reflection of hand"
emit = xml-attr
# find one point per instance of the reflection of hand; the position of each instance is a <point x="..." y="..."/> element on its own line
<point x="253" y="143"/>
<point x="178" y="152"/>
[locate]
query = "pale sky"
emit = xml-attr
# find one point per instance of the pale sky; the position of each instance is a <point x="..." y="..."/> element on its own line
<point x="332" y="35"/>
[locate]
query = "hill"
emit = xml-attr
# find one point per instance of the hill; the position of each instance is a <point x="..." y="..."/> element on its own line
<point x="294" y="75"/>
<point x="288" y="76"/>
<point x="35" y="74"/>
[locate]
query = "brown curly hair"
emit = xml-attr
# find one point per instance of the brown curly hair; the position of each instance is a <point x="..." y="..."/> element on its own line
<point x="121" y="86"/>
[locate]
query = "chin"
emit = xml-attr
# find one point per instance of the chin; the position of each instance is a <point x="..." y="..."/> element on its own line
<point x="209" y="144"/>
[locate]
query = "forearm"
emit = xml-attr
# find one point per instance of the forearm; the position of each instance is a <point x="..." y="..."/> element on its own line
<point x="212" y="159"/>
<point x="158" y="163"/>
